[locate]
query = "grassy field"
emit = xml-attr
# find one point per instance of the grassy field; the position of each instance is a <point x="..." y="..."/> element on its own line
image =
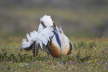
<point x="88" y="55"/>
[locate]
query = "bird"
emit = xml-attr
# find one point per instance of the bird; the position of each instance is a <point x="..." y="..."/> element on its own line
<point x="48" y="37"/>
<point x="60" y="43"/>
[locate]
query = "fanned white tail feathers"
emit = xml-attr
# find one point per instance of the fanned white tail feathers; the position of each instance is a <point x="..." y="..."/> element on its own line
<point x="27" y="42"/>
<point x="39" y="37"/>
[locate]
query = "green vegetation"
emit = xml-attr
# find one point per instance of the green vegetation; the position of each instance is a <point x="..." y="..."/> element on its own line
<point x="84" y="21"/>
<point x="88" y="55"/>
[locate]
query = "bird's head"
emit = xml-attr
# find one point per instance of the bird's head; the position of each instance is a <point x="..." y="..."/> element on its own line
<point x="47" y="21"/>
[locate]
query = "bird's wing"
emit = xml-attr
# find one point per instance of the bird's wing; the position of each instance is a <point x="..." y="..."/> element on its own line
<point x="33" y="35"/>
<point x="28" y="41"/>
<point x="40" y="27"/>
<point x="64" y="39"/>
<point x="45" y="35"/>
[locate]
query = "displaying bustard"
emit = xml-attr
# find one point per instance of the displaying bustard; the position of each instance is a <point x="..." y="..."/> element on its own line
<point x="49" y="37"/>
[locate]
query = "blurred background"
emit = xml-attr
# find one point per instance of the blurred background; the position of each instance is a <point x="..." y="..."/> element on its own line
<point x="80" y="18"/>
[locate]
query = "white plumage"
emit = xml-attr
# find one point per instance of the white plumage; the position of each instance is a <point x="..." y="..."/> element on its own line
<point x="65" y="42"/>
<point x="47" y="20"/>
<point x="39" y="37"/>
<point x="48" y="32"/>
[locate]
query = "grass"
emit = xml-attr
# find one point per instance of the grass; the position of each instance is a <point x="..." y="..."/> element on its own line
<point x="88" y="55"/>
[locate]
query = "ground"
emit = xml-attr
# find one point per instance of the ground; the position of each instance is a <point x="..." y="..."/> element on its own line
<point x="88" y="55"/>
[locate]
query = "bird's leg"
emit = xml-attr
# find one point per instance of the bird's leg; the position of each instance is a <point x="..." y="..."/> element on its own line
<point x="33" y="49"/>
<point x="47" y="49"/>
<point x="37" y="48"/>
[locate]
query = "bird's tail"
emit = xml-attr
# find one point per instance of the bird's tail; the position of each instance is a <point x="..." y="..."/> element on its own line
<point x="28" y="42"/>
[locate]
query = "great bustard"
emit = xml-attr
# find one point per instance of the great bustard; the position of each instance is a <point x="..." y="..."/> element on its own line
<point x="50" y="36"/>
